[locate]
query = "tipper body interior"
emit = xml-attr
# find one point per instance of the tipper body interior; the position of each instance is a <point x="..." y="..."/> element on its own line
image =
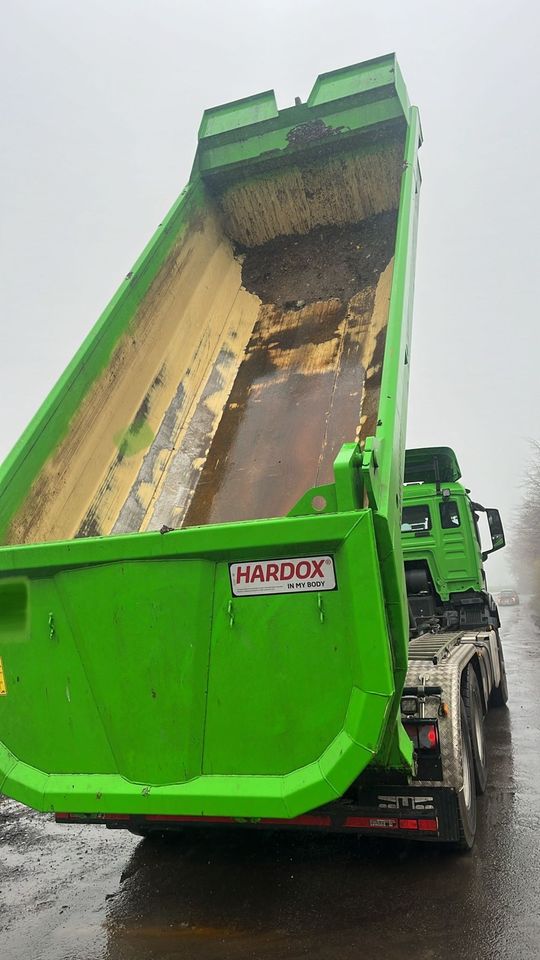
<point x="257" y="349"/>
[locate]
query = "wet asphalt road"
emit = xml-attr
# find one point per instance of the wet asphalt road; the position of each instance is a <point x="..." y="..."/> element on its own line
<point x="84" y="893"/>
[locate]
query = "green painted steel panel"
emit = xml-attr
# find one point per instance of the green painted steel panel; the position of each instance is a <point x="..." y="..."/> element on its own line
<point x="359" y="78"/>
<point x="122" y="710"/>
<point x="268" y="145"/>
<point x="240" y="113"/>
<point x="135" y="681"/>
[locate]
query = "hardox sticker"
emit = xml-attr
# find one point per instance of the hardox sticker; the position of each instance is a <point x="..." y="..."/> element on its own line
<point x="253" y="578"/>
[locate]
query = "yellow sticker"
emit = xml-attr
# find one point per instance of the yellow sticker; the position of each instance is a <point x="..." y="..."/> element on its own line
<point x="3" y="688"/>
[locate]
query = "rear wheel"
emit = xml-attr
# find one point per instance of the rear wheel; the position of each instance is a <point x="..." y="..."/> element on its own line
<point x="467" y="795"/>
<point x="475" y="719"/>
<point x="499" y="695"/>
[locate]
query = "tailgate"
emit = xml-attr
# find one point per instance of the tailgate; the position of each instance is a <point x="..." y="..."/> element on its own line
<point x="235" y="670"/>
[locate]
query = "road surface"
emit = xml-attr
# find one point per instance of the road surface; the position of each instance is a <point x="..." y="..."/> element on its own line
<point x="76" y="893"/>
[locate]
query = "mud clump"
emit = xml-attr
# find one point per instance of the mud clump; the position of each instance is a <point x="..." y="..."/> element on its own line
<point x="313" y="130"/>
<point x="326" y="263"/>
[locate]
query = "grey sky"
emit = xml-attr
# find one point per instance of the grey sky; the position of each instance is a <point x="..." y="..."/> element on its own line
<point x="101" y="105"/>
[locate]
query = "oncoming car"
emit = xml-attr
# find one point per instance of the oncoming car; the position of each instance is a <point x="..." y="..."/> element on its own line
<point x="508" y="598"/>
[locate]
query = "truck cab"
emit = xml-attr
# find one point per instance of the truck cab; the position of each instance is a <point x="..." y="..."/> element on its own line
<point x="442" y="548"/>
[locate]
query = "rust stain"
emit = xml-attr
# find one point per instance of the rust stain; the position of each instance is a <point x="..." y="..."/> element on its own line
<point x="169" y="492"/>
<point x="373" y="346"/>
<point x="268" y="439"/>
<point x="297" y="398"/>
<point x="310" y="378"/>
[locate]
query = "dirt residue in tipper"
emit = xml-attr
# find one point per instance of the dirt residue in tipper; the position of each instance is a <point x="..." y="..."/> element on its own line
<point x="327" y="263"/>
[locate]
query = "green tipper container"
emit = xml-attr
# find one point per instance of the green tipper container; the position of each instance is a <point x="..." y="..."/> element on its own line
<point x="245" y="394"/>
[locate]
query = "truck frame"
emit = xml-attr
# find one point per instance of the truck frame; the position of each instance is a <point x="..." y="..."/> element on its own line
<point x="453" y="678"/>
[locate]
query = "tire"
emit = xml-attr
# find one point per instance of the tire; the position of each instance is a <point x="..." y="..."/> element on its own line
<point x="466" y="799"/>
<point x="499" y="695"/>
<point x="474" y="709"/>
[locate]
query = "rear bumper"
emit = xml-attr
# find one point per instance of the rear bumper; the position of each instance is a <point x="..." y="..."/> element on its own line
<point x="412" y="813"/>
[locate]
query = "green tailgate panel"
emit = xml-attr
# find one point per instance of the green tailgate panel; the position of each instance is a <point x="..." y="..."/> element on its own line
<point x="145" y="686"/>
<point x="150" y="675"/>
<point x="288" y="717"/>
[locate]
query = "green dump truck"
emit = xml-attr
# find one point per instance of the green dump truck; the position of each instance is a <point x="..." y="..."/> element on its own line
<point x="203" y="607"/>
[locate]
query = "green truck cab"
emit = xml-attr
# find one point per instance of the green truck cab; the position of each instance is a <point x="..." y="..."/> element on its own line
<point x="442" y="549"/>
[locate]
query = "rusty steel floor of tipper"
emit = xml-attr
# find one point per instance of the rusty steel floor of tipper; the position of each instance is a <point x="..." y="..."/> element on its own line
<point x="275" y="364"/>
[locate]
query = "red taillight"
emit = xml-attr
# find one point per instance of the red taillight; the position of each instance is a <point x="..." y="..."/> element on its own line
<point x="424" y="735"/>
<point x="428" y="736"/>
<point x="429" y="825"/>
<point x="408" y="824"/>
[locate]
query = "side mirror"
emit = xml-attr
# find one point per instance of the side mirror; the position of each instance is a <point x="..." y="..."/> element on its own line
<point x="496" y="530"/>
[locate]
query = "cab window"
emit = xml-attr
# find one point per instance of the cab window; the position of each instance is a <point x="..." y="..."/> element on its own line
<point x="449" y="514"/>
<point x="414" y="519"/>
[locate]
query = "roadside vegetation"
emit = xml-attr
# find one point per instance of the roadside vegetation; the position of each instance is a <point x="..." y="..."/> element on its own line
<point x="525" y="549"/>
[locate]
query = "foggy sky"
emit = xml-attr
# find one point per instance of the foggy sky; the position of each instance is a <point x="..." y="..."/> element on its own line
<point x="101" y="103"/>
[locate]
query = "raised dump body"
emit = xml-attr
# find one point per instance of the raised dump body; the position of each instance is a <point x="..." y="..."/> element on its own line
<point x="265" y="326"/>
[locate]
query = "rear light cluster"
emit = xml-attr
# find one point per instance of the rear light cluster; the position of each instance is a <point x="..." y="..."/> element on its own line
<point x="424" y="734"/>
<point x="425" y="825"/>
<point x="430" y="825"/>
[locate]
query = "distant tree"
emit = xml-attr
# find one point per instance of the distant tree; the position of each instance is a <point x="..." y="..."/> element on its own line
<point x="525" y="549"/>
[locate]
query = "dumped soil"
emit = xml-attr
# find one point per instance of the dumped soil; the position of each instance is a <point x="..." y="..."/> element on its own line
<point x="327" y="263"/>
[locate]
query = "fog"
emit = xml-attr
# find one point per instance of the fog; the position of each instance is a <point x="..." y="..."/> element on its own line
<point x="101" y="105"/>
